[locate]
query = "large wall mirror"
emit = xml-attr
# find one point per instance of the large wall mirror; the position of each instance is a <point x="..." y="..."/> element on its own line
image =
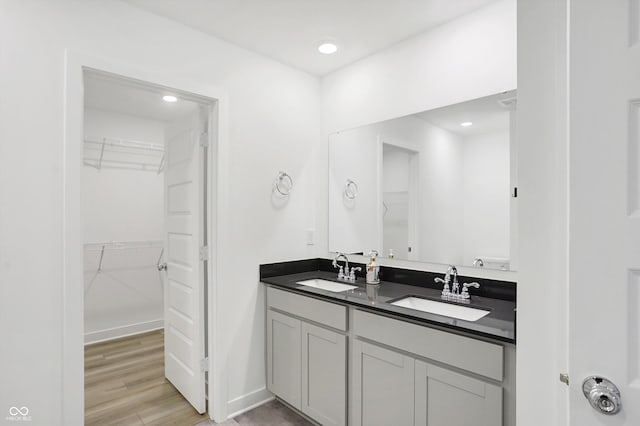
<point x="438" y="186"/>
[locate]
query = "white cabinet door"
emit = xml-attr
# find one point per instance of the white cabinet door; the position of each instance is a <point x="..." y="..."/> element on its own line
<point x="284" y="357"/>
<point x="382" y="386"/>
<point x="324" y="375"/>
<point x="444" y="398"/>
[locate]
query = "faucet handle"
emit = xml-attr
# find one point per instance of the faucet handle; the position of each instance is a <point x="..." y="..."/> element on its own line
<point x="465" y="289"/>
<point x="445" y="290"/>
<point x="341" y="272"/>
<point x="352" y="274"/>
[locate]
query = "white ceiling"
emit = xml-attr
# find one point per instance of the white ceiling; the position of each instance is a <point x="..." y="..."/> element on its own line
<point x="127" y="97"/>
<point x="488" y="115"/>
<point x="290" y="30"/>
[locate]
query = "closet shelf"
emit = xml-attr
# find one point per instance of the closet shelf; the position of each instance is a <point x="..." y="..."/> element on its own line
<point x="123" y="245"/>
<point x="125" y="154"/>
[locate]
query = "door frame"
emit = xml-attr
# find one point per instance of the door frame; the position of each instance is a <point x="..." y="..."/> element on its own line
<point x="72" y="395"/>
<point x="414" y="188"/>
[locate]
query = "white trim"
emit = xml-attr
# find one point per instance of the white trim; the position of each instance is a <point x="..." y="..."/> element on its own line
<point x="414" y="153"/>
<point x="72" y="371"/>
<point x="248" y="402"/>
<point x="379" y="198"/>
<point x="399" y="144"/>
<point x="218" y="237"/>
<point x="72" y="394"/>
<point x="123" y="331"/>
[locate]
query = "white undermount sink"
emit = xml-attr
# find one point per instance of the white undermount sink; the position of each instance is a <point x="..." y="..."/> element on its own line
<point x="327" y="285"/>
<point x="465" y="313"/>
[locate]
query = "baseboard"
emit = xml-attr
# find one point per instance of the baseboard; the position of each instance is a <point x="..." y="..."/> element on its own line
<point x="124" y="331"/>
<point x="247" y="402"/>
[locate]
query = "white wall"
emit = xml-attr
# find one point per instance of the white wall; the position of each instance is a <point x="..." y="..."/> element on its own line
<point x="121" y="205"/>
<point x="485" y="170"/>
<point x="441" y="204"/>
<point x="273" y="125"/>
<point x="467" y="58"/>
<point x="470" y="57"/>
<point x="354" y="155"/>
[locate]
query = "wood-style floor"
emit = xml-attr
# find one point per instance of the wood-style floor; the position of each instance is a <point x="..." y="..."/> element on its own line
<point x="124" y="385"/>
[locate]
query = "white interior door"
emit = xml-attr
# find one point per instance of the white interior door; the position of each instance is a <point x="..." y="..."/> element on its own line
<point x="604" y="120"/>
<point x="184" y="289"/>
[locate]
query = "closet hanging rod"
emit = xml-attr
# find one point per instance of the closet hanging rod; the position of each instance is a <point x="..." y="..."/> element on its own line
<point x="124" y="164"/>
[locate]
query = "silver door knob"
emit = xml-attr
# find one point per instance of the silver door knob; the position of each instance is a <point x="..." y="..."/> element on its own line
<point x="602" y="394"/>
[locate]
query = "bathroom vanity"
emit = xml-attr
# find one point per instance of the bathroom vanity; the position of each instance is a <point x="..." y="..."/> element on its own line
<point x="354" y="356"/>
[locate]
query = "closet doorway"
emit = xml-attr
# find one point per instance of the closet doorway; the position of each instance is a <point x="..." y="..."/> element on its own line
<point x="144" y="205"/>
<point x="399" y="194"/>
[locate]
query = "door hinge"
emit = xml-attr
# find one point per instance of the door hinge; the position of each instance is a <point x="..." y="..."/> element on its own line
<point x="204" y="364"/>
<point x="564" y="378"/>
<point x="204" y="140"/>
<point x="204" y="253"/>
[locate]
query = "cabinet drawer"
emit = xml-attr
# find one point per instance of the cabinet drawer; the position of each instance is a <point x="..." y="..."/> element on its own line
<point x="325" y="313"/>
<point x="469" y="354"/>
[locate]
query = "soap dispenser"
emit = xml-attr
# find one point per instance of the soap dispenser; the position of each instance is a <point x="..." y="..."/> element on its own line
<point x="373" y="269"/>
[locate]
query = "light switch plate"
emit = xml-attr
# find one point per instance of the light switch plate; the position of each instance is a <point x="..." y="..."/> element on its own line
<point x="310" y="236"/>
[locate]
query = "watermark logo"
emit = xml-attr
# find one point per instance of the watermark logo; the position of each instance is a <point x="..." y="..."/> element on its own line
<point x="19" y="414"/>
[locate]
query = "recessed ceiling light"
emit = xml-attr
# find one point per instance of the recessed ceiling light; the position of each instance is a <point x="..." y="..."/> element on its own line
<point x="169" y="98"/>
<point x="327" y="48"/>
<point x="466" y="124"/>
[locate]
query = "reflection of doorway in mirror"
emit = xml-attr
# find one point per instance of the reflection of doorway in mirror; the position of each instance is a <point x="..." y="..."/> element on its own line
<point x="463" y="157"/>
<point x="399" y="201"/>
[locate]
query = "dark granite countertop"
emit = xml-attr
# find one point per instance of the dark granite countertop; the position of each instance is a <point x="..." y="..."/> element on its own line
<point x="499" y="324"/>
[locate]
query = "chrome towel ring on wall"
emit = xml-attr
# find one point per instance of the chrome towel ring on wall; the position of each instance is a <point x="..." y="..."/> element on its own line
<point x="283" y="183"/>
<point x="350" y="189"/>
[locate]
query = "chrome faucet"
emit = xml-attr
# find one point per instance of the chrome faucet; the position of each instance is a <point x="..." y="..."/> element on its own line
<point x="453" y="292"/>
<point x="343" y="273"/>
<point x="447" y="279"/>
<point x="455" y="287"/>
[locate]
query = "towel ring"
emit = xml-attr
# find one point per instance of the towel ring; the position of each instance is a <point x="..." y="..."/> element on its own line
<point x="284" y="183"/>
<point x="351" y="189"/>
